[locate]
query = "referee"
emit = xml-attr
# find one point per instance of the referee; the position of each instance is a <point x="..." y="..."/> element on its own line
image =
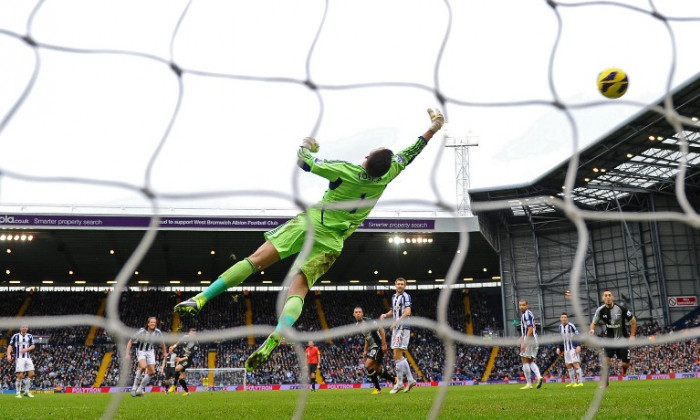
<point x="312" y="358"/>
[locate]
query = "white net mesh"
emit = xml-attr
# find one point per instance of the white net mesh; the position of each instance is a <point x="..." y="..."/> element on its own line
<point x="334" y="88"/>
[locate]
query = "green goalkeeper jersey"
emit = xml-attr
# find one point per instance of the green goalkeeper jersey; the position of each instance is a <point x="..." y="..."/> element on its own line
<point x="350" y="182"/>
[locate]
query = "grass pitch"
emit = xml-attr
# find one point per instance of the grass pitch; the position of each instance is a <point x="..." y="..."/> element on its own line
<point x="676" y="399"/>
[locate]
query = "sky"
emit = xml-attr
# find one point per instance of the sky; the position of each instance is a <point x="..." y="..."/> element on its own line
<point x="102" y="114"/>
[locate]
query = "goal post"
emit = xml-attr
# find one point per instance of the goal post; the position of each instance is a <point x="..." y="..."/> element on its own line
<point x="217" y="378"/>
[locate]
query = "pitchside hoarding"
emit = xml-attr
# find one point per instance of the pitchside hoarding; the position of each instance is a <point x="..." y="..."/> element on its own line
<point x="131" y="222"/>
<point x="35" y="221"/>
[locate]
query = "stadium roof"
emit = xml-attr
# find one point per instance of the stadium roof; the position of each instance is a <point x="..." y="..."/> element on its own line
<point x="64" y="256"/>
<point x="640" y="156"/>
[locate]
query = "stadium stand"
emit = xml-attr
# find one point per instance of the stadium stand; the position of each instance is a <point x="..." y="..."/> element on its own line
<point x="63" y="360"/>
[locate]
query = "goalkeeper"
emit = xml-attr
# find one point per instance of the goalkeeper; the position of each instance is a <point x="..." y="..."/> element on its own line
<point x="347" y="182"/>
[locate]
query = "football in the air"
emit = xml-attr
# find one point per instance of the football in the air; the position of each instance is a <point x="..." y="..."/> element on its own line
<point x="612" y="83"/>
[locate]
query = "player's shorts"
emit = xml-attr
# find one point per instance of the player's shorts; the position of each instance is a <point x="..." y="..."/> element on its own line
<point x="24" y="364"/>
<point x="622" y="353"/>
<point x="312" y="368"/>
<point x="571" y="357"/>
<point x="530" y="349"/>
<point x="169" y="372"/>
<point x="288" y="239"/>
<point x="185" y="364"/>
<point x="399" y="339"/>
<point x="376" y="353"/>
<point x="148" y="355"/>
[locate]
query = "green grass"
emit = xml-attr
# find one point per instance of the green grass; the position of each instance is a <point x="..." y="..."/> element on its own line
<point x="677" y="399"/>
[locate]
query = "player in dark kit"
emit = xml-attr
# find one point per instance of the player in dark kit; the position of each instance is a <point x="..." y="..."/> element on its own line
<point x="185" y="350"/>
<point x="168" y="368"/>
<point x="375" y="346"/>
<point x="615" y="318"/>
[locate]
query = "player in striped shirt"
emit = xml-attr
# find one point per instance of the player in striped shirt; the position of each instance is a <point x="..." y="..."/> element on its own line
<point x="347" y="184"/>
<point x="571" y="350"/>
<point x="145" y="341"/>
<point x="21" y="344"/>
<point x="528" y="345"/>
<point x="400" y="334"/>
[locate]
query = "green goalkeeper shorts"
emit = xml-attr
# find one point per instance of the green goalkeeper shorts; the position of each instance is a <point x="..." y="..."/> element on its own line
<point x="288" y="239"/>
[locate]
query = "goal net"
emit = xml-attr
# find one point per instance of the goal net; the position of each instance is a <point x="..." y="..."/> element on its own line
<point x="117" y="103"/>
<point x="217" y="379"/>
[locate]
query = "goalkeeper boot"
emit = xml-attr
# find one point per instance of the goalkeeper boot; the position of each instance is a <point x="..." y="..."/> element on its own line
<point x="260" y="356"/>
<point x="190" y="307"/>
<point x="376" y="391"/>
<point x="172" y="389"/>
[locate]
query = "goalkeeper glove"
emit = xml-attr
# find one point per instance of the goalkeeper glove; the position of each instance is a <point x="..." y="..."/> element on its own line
<point x="311" y="144"/>
<point x="437" y="120"/>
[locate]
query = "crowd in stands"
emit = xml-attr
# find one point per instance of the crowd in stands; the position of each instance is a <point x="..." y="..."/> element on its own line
<point x="59" y="366"/>
<point x="63" y="359"/>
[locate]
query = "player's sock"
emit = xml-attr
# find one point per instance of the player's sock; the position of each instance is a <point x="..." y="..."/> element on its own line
<point x="572" y="376"/>
<point x="399" y="371"/>
<point x="535" y="370"/>
<point x="27" y="385"/>
<point x="137" y="380"/>
<point x="528" y="373"/>
<point x="290" y="312"/>
<point x="183" y="383"/>
<point x="407" y="369"/>
<point x="146" y="379"/>
<point x="375" y="380"/>
<point x="624" y="371"/>
<point x="234" y="276"/>
<point x="313" y="384"/>
<point x="579" y="373"/>
<point x="18" y="385"/>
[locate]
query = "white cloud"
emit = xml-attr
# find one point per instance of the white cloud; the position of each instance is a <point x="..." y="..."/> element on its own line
<point x="102" y="116"/>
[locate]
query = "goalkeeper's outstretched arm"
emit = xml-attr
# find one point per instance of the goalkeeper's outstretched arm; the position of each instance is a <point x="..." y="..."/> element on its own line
<point x="436" y="122"/>
<point x="330" y="169"/>
<point x="403" y="158"/>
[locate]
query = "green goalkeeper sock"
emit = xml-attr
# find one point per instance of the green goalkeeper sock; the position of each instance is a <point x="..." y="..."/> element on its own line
<point x="230" y="278"/>
<point x="290" y="313"/>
